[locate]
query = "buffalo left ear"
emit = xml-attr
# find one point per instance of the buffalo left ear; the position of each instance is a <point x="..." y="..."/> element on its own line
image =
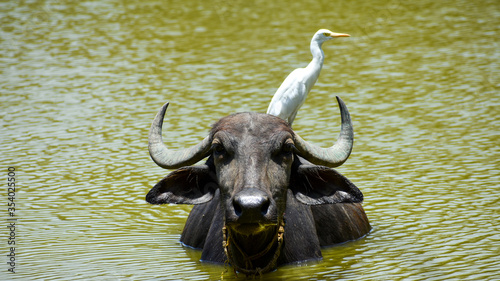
<point x="186" y="185"/>
<point x="314" y="185"/>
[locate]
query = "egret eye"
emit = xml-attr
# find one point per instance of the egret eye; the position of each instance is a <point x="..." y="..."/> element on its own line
<point x="326" y="34"/>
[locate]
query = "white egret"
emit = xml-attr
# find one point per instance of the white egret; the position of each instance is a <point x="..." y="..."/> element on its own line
<point x="292" y="93"/>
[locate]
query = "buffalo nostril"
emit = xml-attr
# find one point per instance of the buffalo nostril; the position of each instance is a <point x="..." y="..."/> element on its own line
<point x="237" y="208"/>
<point x="265" y="207"/>
<point x="251" y="204"/>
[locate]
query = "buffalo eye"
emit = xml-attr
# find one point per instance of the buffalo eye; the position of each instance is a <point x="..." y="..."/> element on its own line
<point x="221" y="152"/>
<point x="218" y="149"/>
<point x="287" y="148"/>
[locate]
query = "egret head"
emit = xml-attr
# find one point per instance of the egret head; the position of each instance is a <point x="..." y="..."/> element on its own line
<point x="323" y="35"/>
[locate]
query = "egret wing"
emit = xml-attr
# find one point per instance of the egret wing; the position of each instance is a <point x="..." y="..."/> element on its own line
<point x="289" y="96"/>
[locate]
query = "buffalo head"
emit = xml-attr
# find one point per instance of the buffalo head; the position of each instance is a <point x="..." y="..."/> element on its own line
<point x="256" y="162"/>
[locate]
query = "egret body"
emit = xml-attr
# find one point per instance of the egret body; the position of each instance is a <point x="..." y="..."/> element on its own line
<point x="292" y="93"/>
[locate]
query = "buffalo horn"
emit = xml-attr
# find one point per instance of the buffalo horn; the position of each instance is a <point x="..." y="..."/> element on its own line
<point x="173" y="159"/>
<point x="335" y="155"/>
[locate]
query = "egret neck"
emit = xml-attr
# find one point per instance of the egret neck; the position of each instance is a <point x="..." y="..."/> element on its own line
<point x="314" y="67"/>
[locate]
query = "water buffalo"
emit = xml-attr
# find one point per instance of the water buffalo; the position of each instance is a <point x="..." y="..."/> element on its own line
<point x="264" y="197"/>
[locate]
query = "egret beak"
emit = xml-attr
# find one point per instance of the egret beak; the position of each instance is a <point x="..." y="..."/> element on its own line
<point x="334" y="35"/>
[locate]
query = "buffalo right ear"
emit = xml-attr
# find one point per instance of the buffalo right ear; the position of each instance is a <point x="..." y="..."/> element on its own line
<point x="314" y="185"/>
<point x="186" y="185"/>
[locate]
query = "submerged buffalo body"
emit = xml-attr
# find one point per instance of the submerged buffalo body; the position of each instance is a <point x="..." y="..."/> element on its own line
<point x="264" y="197"/>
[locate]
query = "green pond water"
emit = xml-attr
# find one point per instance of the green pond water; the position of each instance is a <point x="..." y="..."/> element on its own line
<point x="82" y="80"/>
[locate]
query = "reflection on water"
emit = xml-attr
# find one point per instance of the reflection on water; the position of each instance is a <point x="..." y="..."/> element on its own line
<point x="82" y="81"/>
